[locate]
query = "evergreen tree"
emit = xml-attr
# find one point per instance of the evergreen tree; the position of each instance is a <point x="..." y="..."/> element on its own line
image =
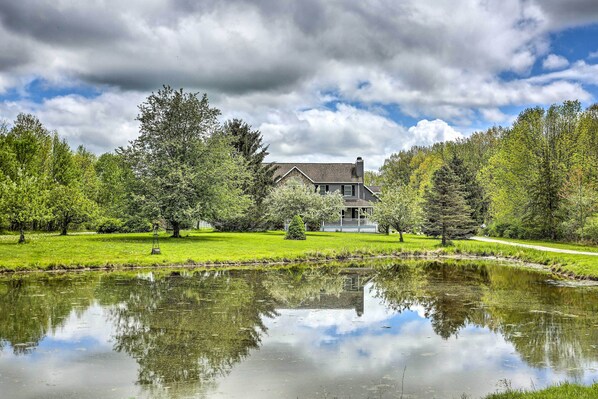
<point x="296" y="229"/>
<point x="248" y="144"/>
<point x="447" y="214"/>
<point x="472" y="190"/>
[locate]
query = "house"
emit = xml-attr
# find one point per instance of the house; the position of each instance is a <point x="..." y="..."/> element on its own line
<point x="346" y="178"/>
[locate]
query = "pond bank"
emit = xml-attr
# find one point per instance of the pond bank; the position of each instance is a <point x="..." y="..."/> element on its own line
<point x="211" y="249"/>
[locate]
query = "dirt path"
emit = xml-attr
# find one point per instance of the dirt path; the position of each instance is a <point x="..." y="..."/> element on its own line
<point x="538" y="247"/>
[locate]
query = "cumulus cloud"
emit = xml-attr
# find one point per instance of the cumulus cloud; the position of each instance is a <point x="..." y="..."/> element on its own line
<point x="429" y="132"/>
<point x="279" y="64"/>
<point x="554" y="61"/>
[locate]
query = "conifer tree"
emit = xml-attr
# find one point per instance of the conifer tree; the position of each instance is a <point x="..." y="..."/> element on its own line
<point x="472" y="190"/>
<point x="447" y="213"/>
<point x="248" y="145"/>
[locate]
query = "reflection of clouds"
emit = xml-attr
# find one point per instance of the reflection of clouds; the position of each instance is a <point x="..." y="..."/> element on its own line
<point x="332" y="353"/>
<point x="75" y="361"/>
<point x="89" y="325"/>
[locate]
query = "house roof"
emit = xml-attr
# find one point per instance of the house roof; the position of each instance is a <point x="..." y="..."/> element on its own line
<point x="375" y="189"/>
<point x="320" y="172"/>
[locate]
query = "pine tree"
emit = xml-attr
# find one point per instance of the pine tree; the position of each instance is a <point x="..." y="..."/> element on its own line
<point x="447" y="213"/>
<point x="248" y="144"/>
<point x="296" y="229"/>
<point x="472" y="190"/>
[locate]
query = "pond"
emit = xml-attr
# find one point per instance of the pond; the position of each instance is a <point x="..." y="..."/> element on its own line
<point x="411" y="330"/>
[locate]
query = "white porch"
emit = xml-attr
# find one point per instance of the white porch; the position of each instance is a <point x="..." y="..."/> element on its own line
<point x="353" y="219"/>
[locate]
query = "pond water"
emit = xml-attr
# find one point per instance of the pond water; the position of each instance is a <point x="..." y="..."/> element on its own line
<point x="411" y="330"/>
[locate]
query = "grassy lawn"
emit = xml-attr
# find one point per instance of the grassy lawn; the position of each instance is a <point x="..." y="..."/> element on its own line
<point x="47" y="251"/>
<point x="564" y="391"/>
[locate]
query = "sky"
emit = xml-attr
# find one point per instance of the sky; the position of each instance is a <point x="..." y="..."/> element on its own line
<point x="324" y="81"/>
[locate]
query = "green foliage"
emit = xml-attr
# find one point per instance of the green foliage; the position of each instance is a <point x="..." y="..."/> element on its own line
<point x="248" y="145"/>
<point x="109" y="225"/>
<point x="184" y="168"/>
<point x="565" y="390"/>
<point x="295" y="198"/>
<point x="447" y="214"/>
<point x="399" y="208"/>
<point x="296" y="229"/>
<point x="69" y="205"/>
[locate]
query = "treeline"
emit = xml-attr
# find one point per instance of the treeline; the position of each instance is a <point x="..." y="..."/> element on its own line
<point x="185" y="166"/>
<point x="536" y="179"/>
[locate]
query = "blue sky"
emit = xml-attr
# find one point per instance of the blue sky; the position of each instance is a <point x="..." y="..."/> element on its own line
<point x="322" y="80"/>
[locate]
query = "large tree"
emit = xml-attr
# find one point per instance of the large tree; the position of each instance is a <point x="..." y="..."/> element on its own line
<point x="184" y="169"/>
<point x="399" y="208"/>
<point x="248" y="145"/>
<point x="447" y="214"/>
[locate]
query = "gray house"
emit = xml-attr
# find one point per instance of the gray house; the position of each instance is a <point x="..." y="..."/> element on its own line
<point x="347" y="178"/>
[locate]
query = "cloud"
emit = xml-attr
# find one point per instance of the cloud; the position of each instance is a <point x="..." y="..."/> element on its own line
<point x="279" y="64"/>
<point x="429" y="132"/>
<point x="593" y="54"/>
<point x="554" y="61"/>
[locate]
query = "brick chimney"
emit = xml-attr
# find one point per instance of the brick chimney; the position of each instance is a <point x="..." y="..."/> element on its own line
<point x="359" y="169"/>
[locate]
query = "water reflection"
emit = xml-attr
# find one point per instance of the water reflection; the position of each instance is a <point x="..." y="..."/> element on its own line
<point x="296" y="332"/>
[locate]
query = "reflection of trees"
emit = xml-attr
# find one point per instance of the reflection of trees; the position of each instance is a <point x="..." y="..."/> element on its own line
<point x="32" y="307"/>
<point x="184" y="331"/>
<point x="322" y="288"/>
<point x="293" y="286"/>
<point x="549" y="326"/>
<point x="449" y="294"/>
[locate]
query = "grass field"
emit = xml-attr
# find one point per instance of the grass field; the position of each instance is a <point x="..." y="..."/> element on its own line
<point x="50" y="251"/>
<point x="564" y="391"/>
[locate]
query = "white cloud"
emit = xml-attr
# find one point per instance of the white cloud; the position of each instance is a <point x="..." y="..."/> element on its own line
<point x="593" y="54"/>
<point x="429" y="132"/>
<point x="554" y="61"/>
<point x="277" y="65"/>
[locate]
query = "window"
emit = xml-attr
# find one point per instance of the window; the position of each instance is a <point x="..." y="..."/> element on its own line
<point x="324" y="189"/>
<point x="348" y="190"/>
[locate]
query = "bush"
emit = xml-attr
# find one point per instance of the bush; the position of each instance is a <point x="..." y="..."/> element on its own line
<point x="109" y="225"/>
<point x="137" y="225"/>
<point x="296" y="229"/>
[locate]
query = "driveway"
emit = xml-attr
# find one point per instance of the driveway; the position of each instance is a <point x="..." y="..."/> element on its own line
<point x="538" y="247"/>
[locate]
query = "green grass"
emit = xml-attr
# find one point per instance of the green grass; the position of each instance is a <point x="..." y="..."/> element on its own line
<point x="564" y="391"/>
<point x="50" y="251"/>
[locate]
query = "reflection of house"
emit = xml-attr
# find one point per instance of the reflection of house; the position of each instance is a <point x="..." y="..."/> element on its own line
<point x="351" y="297"/>
<point x="346" y="178"/>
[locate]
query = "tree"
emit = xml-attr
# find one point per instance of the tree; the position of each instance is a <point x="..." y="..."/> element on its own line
<point x="399" y="208"/>
<point x="472" y="190"/>
<point x="447" y="214"/>
<point x="184" y="169"/>
<point x="70" y="205"/>
<point x="23" y="201"/>
<point x="296" y="229"/>
<point x="25" y="164"/>
<point x="248" y="144"/>
<point x="294" y="198"/>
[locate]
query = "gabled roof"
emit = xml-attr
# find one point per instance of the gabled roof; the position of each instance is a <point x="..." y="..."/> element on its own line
<point x="320" y="172"/>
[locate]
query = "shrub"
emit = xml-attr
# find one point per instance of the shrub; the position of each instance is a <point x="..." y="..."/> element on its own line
<point x="296" y="229"/>
<point x="109" y="225"/>
<point x="137" y="225"/>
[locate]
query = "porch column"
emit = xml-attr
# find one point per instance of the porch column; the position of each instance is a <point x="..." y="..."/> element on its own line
<point x="341" y="220"/>
<point x="359" y="220"/>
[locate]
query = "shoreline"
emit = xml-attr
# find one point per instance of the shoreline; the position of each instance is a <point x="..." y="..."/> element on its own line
<point x="316" y="260"/>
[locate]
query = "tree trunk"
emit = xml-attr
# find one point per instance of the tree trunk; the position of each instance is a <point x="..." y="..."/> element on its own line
<point x="401" y="236"/>
<point x="176" y="229"/>
<point x="22" y="236"/>
<point x="63" y="231"/>
<point x="64" y="226"/>
<point x="443" y="235"/>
